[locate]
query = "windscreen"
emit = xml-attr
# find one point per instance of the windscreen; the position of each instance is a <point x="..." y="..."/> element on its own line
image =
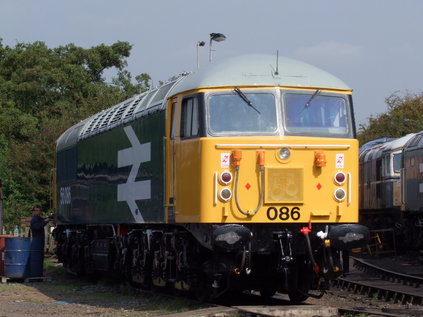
<point x="397" y="162"/>
<point x="242" y="113"/>
<point x="316" y="114"/>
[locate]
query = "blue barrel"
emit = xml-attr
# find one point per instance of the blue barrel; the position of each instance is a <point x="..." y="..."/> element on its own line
<point x="23" y="257"/>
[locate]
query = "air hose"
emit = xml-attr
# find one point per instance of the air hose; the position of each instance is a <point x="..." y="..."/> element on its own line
<point x="260" y="161"/>
<point x="305" y="231"/>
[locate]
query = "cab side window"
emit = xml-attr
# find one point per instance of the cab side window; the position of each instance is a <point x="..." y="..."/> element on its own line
<point x="173" y="124"/>
<point x="189" y="118"/>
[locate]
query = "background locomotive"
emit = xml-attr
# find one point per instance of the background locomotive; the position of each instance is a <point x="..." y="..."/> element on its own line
<point x="241" y="176"/>
<point x="391" y="187"/>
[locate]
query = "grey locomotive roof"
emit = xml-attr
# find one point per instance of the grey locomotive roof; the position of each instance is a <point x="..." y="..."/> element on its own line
<point x="377" y="150"/>
<point x="373" y="143"/>
<point x="397" y="143"/>
<point x="70" y="136"/>
<point x="128" y="110"/>
<point x="416" y="142"/>
<point x="255" y="70"/>
<point x="246" y="70"/>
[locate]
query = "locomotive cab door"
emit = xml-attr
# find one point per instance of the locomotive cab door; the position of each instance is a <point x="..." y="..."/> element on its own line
<point x="172" y="135"/>
<point x="184" y="158"/>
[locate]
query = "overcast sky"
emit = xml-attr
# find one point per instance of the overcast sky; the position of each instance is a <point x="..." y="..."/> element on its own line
<point x="375" y="46"/>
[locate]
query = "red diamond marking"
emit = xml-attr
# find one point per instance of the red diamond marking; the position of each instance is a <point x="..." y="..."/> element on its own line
<point x="248" y="186"/>
<point x="319" y="186"/>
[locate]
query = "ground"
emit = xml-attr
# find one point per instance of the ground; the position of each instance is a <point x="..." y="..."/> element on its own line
<point x="343" y="299"/>
<point x="67" y="295"/>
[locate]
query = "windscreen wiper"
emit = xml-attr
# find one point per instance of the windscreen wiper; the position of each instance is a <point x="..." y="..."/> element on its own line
<point x="307" y="104"/>
<point x="244" y="97"/>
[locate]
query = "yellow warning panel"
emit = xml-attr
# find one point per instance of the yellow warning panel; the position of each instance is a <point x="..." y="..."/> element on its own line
<point x="284" y="185"/>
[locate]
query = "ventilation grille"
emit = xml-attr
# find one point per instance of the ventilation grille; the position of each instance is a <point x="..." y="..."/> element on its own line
<point x="89" y="126"/>
<point x="128" y="110"/>
<point x="132" y="107"/>
<point x="119" y="112"/>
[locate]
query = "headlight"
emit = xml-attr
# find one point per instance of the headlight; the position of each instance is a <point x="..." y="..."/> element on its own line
<point x="340" y="194"/>
<point x="284" y="153"/>
<point x="225" y="194"/>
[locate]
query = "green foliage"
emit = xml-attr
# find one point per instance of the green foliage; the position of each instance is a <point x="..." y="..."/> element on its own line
<point x="124" y="81"/>
<point x="405" y="115"/>
<point x="43" y="92"/>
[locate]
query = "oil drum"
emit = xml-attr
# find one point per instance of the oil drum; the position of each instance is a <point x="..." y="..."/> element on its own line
<point x="23" y="257"/>
<point x="2" y="244"/>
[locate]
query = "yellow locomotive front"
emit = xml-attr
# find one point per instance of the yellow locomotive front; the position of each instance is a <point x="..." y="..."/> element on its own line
<point x="265" y="164"/>
<point x="251" y="172"/>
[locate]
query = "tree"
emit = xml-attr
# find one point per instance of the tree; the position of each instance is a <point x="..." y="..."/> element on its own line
<point x="43" y="92"/>
<point x="124" y="81"/>
<point x="404" y="115"/>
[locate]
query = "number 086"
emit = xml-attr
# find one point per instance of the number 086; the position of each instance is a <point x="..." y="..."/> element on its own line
<point x="283" y="213"/>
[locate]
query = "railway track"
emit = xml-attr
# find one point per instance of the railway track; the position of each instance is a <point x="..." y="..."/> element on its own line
<point x="383" y="312"/>
<point x="364" y="280"/>
<point x="250" y="305"/>
<point x="405" y="279"/>
<point x="376" y="282"/>
<point x="287" y="310"/>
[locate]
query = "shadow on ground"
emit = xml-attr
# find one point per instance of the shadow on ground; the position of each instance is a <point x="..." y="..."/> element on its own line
<point x="103" y="292"/>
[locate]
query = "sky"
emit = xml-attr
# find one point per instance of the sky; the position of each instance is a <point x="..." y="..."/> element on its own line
<point x="374" y="46"/>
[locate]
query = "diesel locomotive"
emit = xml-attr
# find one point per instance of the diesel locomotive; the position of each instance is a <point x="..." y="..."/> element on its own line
<point x="240" y="176"/>
<point x="391" y="187"/>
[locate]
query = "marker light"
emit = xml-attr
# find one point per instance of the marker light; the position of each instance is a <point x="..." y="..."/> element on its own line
<point x="340" y="178"/>
<point x="236" y="157"/>
<point x="340" y="194"/>
<point x="319" y="159"/>
<point x="284" y="153"/>
<point x="260" y="158"/>
<point x="225" y="194"/>
<point x="226" y="177"/>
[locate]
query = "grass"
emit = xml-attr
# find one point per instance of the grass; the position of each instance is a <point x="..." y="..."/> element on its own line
<point x="9" y="287"/>
<point x="172" y="304"/>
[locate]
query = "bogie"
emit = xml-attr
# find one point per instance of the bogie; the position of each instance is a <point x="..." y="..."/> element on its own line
<point x="171" y="258"/>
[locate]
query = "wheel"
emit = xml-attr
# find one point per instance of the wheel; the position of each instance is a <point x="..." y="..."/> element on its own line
<point x="299" y="282"/>
<point x="203" y="290"/>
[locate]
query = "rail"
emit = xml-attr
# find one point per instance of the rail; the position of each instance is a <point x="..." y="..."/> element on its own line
<point x="382" y="284"/>
<point x="389" y="275"/>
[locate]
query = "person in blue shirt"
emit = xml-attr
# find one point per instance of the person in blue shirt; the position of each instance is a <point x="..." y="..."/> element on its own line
<point x="37" y="223"/>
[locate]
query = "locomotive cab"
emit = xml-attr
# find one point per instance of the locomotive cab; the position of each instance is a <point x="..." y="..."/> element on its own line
<point x="285" y="138"/>
<point x="269" y="174"/>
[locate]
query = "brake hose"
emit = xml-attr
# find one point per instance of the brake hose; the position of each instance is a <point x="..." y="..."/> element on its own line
<point x="249" y="213"/>
<point x="305" y="231"/>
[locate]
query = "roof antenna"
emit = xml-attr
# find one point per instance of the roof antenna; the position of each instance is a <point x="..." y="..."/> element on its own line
<point x="277" y="63"/>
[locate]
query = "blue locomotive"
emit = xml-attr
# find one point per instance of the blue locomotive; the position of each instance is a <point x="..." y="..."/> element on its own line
<point x="391" y="187"/>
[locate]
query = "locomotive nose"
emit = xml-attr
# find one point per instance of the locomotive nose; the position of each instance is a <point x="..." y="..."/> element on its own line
<point x="349" y="236"/>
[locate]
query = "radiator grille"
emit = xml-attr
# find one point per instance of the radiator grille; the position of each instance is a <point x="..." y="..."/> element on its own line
<point x="284" y="185"/>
